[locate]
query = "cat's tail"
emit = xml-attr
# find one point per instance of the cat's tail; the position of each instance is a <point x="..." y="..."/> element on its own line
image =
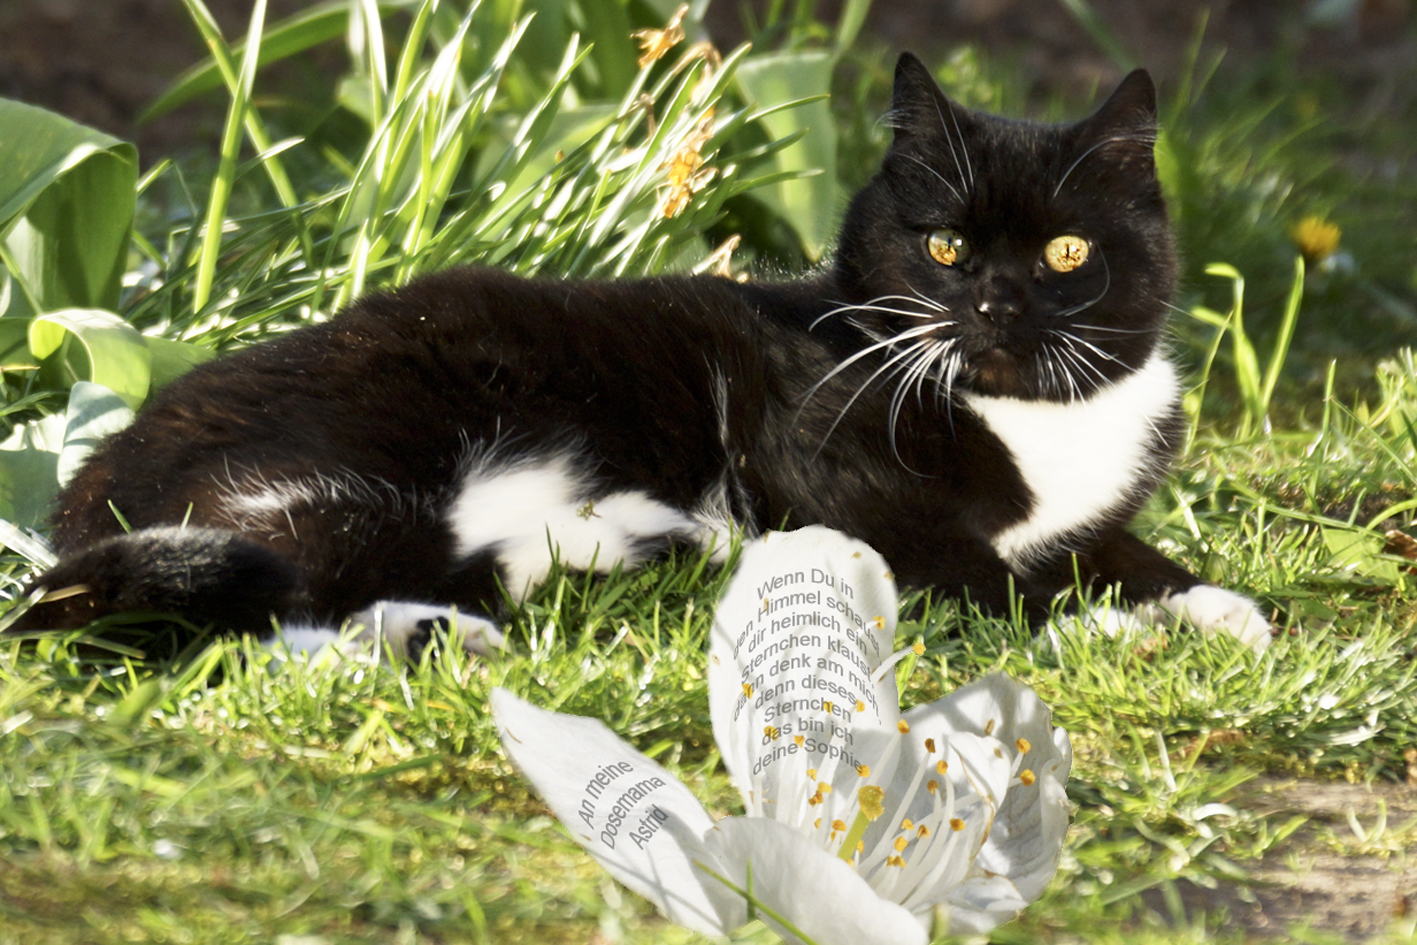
<point x="203" y="575"/>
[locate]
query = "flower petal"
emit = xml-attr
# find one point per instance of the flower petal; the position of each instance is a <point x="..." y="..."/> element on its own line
<point x="801" y="628"/>
<point x="1030" y="824"/>
<point x="983" y="903"/>
<point x="638" y="820"/>
<point x="819" y="894"/>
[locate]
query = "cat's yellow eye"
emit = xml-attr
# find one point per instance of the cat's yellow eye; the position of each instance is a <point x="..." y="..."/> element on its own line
<point x="1066" y="253"/>
<point x="947" y="247"/>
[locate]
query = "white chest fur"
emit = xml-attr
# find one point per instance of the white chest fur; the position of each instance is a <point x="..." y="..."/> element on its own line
<point x="1081" y="459"/>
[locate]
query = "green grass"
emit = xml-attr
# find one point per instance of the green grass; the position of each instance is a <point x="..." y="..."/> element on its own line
<point x="230" y="796"/>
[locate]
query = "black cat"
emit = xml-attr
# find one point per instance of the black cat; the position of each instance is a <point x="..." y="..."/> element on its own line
<point x="976" y="387"/>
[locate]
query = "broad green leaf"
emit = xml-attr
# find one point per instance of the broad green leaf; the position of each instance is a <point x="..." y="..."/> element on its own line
<point x="118" y="356"/>
<point x="94" y="412"/>
<point x="172" y="359"/>
<point x="811" y="203"/>
<point x="14" y="342"/>
<point x="1361" y="551"/>
<point x="28" y="482"/>
<point x="29" y="461"/>
<point x="67" y="194"/>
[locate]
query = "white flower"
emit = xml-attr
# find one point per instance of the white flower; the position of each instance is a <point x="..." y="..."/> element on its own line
<point x="862" y="825"/>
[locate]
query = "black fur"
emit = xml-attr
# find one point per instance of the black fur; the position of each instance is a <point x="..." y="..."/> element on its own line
<point x="673" y="387"/>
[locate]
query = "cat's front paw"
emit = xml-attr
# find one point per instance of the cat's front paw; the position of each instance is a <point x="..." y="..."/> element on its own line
<point x="1210" y="608"/>
<point x="407" y="627"/>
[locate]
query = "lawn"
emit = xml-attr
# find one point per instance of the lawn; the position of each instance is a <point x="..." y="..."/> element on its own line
<point x="231" y="795"/>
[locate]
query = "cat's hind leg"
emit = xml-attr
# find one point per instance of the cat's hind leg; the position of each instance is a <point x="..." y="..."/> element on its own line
<point x="406" y="627"/>
<point x="403" y="628"/>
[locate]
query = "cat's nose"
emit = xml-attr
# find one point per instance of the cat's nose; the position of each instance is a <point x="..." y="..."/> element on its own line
<point x="999" y="305"/>
<point x="998" y="297"/>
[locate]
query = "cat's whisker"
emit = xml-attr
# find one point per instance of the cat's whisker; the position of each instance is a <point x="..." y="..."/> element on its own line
<point x="938" y="175"/>
<point x="918" y="369"/>
<point x="1073" y="357"/>
<point x="966" y="178"/>
<point x="1074" y="339"/>
<point x="1056" y="371"/>
<point x="906" y="335"/>
<point x="892" y="362"/>
<point x="1107" y="272"/>
<point x="1116" y="331"/>
<point x="1148" y="139"/>
<point x="874" y="306"/>
<point x="917" y="296"/>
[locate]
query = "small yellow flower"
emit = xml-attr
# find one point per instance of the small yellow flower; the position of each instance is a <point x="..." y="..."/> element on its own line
<point x="655" y="43"/>
<point x="688" y="175"/>
<point x="1316" y="237"/>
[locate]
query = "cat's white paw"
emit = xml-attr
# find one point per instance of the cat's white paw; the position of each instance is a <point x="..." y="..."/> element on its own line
<point x="405" y="627"/>
<point x="1210" y="608"/>
<point x="1106" y="619"/>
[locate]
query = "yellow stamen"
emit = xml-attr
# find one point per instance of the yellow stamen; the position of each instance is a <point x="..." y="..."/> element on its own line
<point x="924" y="831"/>
<point x="931" y="785"/>
<point x="798" y="739"/>
<point x="812" y="773"/>
<point x="838" y="825"/>
<point x="900" y="844"/>
<point x="907" y="824"/>
<point x="895" y="861"/>
<point x="827" y="706"/>
<point x="880" y="622"/>
<point x="956" y="824"/>
<point x="823" y="787"/>
<point x="942" y="766"/>
<point x="1023" y="746"/>
<point x="872" y="800"/>
<point x="1027" y="777"/>
<point x="930" y="745"/>
<point x="860" y="706"/>
<point x="918" y="649"/>
<point x="903" y="727"/>
<point x="747" y="690"/>
<point x="863" y="770"/>
<point x="772" y="732"/>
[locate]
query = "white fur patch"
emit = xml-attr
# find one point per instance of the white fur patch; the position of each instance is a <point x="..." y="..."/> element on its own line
<point x="1078" y="459"/>
<point x="522" y="511"/>
<point x="391" y="623"/>
<point x="1211" y="608"/>
<point x="298" y="638"/>
<point x="254" y="503"/>
<point x="396" y="622"/>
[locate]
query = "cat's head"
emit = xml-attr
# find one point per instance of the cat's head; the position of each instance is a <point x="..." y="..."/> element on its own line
<point x="1011" y="258"/>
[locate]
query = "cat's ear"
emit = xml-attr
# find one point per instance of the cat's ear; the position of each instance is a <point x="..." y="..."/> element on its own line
<point x="918" y="108"/>
<point x="1123" y="130"/>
